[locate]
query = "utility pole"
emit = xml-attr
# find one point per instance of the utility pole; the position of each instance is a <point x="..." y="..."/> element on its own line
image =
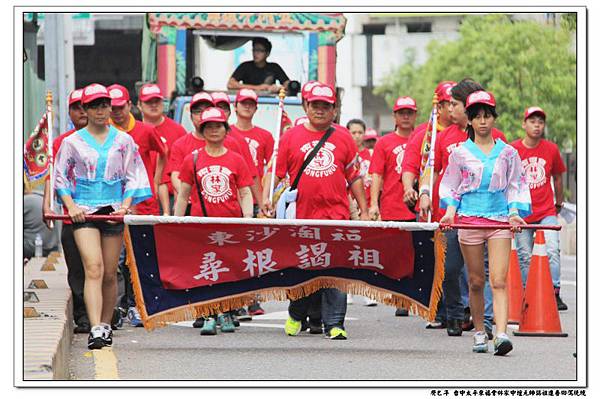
<point x="59" y="69"/>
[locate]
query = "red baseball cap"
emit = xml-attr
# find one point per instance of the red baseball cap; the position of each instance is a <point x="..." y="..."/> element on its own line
<point x="246" y="94"/>
<point x="371" y="134"/>
<point x="212" y="114"/>
<point x="444" y="90"/>
<point x="533" y="110"/>
<point x="150" y="91"/>
<point x="220" y="97"/>
<point x="307" y="87"/>
<point x="119" y="95"/>
<point x="93" y="92"/>
<point x="321" y="92"/>
<point x="75" y="96"/>
<point x="405" y="102"/>
<point x="481" y="97"/>
<point x="202" y="96"/>
<point x="301" y="120"/>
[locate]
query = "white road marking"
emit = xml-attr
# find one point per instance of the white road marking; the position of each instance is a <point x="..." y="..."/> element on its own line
<point x="282" y="315"/>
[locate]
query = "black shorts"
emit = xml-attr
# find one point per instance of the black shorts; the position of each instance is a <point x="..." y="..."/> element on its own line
<point x="106" y="229"/>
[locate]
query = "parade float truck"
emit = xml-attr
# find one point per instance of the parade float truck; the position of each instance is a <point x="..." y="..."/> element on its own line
<point x="200" y="51"/>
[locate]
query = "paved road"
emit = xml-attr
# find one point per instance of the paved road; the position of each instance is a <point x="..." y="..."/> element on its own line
<point x="380" y="346"/>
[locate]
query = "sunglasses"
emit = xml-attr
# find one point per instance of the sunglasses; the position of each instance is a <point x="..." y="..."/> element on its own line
<point x="259" y="50"/>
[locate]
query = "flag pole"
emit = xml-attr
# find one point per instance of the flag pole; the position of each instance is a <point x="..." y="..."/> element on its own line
<point x="49" y="120"/>
<point x="276" y="144"/>
<point x="431" y="159"/>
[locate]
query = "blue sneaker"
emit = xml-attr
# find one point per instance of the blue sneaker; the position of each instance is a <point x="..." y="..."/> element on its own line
<point x="134" y="317"/>
<point x="209" y="327"/>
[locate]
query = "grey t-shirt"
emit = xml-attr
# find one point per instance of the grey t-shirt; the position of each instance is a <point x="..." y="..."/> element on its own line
<point x="33" y="223"/>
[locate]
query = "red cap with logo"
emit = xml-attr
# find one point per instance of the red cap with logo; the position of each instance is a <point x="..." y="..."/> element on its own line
<point x="444" y="90"/>
<point x="150" y="91"/>
<point x="119" y="95"/>
<point x="533" y="110"/>
<point x="405" y="102"/>
<point x="220" y="97"/>
<point x="202" y="96"/>
<point x="212" y="114"/>
<point x="307" y="87"/>
<point x="370" y="134"/>
<point x="481" y="97"/>
<point x="321" y="92"/>
<point x="246" y="94"/>
<point x="75" y="96"/>
<point x="93" y="92"/>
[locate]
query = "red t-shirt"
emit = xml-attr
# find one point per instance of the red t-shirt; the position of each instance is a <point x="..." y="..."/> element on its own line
<point x="365" y="162"/>
<point x="220" y="178"/>
<point x="244" y="151"/>
<point x="188" y="143"/>
<point x="260" y="144"/>
<point x="149" y="145"/>
<point x="540" y="164"/>
<point x="387" y="162"/>
<point x="169" y="131"/>
<point x="55" y="147"/>
<point x="322" y="187"/>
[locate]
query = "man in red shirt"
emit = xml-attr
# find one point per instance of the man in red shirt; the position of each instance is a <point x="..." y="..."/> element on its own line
<point x="152" y="107"/>
<point x="259" y="141"/>
<point x="75" y="271"/>
<point x="386" y="166"/>
<point x="148" y="140"/>
<point x="386" y="169"/>
<point x="322" y="192"/>
<point x="411" y="164"/>
<point x="542" y="161"/>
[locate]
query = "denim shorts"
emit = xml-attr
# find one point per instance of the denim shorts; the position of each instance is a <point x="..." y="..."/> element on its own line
<point x="106" y="229"/>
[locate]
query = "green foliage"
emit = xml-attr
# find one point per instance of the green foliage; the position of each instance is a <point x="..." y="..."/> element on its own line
<point x="523" y="63"/>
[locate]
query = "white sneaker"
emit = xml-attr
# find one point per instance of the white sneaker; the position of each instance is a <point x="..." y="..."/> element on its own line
<point x="107" y="334"/>
<point x="480" y="342"/>
<point x="370" y="302"/>
<point x="349" y="300"/>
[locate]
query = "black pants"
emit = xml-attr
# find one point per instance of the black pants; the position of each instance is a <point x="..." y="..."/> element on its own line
<point x="75" y="273"/>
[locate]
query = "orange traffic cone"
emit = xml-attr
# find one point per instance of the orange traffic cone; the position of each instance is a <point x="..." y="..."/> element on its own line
<point x="514" y="285"/>
<point x="539" y="316"/>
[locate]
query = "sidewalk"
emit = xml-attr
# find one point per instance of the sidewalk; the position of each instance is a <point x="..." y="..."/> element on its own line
<point x="48" y="322"/>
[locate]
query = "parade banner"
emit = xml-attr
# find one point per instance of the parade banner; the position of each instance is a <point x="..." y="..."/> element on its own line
<point x="184" y="268"/>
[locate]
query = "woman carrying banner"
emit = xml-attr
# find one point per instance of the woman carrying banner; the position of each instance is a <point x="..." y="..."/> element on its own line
<point x="99" y="171"/>
<point x="218" y="181"/>
<point x="484" y="184"/>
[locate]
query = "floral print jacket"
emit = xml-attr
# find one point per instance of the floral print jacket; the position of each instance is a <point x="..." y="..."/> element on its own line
<point x="100" y="174"/>
<point x="487" y="186"/>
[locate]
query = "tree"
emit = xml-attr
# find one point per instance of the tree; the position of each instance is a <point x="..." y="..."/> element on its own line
<point x="523" y="63"/>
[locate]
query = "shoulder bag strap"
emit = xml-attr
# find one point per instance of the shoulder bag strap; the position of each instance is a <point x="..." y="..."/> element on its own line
<point x="310" y="156"/>
<point x="198" y="185"/>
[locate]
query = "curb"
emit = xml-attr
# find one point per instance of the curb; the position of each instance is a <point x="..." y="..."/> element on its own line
<point x="48" y="322"/>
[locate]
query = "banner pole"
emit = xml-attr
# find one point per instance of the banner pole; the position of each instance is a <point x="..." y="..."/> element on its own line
<point x="431" y="160"/>
<point x="276" y="144"/>
<point x="49" y="121"/>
